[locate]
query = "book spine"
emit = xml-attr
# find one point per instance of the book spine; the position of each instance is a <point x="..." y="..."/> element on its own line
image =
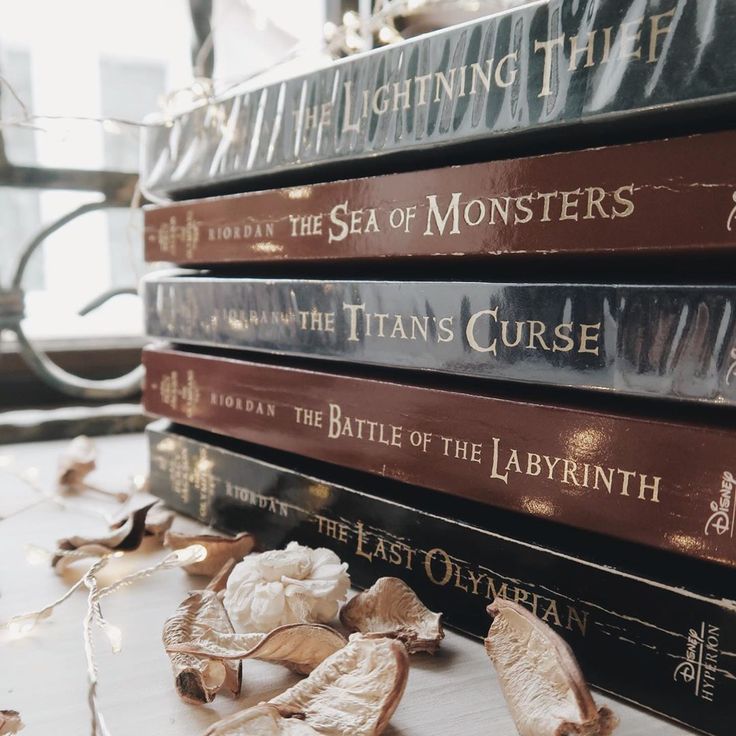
<point x="666" y="485"/>
<point x="657" y="646"/>
<point x="664" y="341"/>
<point x="534" y="69"/>
<point x="601" y="200"/>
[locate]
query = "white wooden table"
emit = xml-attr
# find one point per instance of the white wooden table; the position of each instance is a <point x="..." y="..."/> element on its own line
<point x="43" y="674"/>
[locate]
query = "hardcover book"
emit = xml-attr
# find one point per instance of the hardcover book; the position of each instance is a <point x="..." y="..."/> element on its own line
<point x="533" y="70"/>
<point x="645" y="639"/>
<point x="597" y="201"/>
<point x="666" y="341"/>
<point x="661" y="483"/>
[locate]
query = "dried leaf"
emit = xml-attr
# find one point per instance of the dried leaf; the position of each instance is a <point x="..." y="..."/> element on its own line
<point x="10" y="722"/>
<point x="355" y="691"/>
<point x="261" y="720"/>
<point x="77" y="461"/>
<point x="540" y="678"/>
<point x="198" y="679"/>
<point x="219" y="549"/>
<point x="391" y="608"/>
<point x="159" y="520"/>
<point x="126" y="533"/>
<point x="300" y="647"/>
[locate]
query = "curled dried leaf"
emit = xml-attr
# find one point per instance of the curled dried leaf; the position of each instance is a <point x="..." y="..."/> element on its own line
<point x="158" y="521"/>
<point x="198" y="679"/>
<point x="77" y="461"/>
<point x="391" y="608"/>
<point x="219" y="549"/>
<point x="126" y="533"/>
<point x="355" y="691"/>
<point x="300" y="647"/>
<point x="10" y="722"/>
<point x="540" y="678"/>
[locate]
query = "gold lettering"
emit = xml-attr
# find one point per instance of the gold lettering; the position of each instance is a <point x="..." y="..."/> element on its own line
<point x="405" y="95"/>
<point x="653" y="487"/>
<point x="441" y="81"/>
<point x="656" y="31"/>
<point x="477" y="73"/>
<point x="628" y="48"/>
<point x="446" y="561"/>
<point x="511" y="78"/>
<point x="589" y="334"/>
<point x="587" y="49"/>
<point x="470" y="334"/>
<point x="547" y="46"/>
<point x="380" y="91"/>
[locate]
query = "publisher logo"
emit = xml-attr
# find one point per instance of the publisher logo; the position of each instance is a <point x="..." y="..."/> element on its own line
<point x="699" y="668"/>
<point x="721" y="520"/>
<point x="731" y="367"/>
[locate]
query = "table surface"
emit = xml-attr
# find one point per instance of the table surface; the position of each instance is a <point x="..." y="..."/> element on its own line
<point x="43" y="674"/>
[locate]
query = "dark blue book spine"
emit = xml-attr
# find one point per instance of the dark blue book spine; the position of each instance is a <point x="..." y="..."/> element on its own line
<point x="535" y="69"/>
<point x="666" y="341"/>
<point x="641" y="638"/>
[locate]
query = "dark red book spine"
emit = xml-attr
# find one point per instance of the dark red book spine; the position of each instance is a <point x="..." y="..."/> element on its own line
<point x="655" y="482"/>
<point x="600" y="200"/>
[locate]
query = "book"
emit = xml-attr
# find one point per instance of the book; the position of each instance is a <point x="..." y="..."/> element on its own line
<point x="666" y="484"/>
<point x="591" y="202"/>
<point x="665" y="341"/>
<point x="642" y="638"/>
<point x="503" y="84"/>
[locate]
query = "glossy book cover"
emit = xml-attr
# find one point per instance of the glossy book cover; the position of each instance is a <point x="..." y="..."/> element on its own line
<point x="665" y="483"/>
<point x="649" y="640"/>
<point x="676" y="342"/>
<point x="535" y="70"/>
<point x="600" y="201"/>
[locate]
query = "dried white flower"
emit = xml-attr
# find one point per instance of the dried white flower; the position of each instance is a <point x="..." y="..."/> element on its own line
<point x="293" y="585"/>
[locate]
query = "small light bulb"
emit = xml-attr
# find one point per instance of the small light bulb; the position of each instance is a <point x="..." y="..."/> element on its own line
<point x="189" y="555"/>
<point x="353" y="40"/>
<point x="138" y="482"/>
<point x="388" y="35"/>
<point x="114" y="635"/>
<point x="31" y="474"/>
<point x="36" y="555"/>
<point x="111" y="126"/>
<point x="22" y="625"/>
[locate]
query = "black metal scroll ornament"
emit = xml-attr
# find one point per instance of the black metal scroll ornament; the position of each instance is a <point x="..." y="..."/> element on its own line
<point x="12" y="300"/>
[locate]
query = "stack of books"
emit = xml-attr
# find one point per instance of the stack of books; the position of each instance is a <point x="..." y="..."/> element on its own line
<point x="464" y="314"/>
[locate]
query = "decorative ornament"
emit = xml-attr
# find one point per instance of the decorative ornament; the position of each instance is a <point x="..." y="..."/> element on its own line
<point x="300" y="647"/>
<point x="354" y="691"/>
<point x="294" y="585"/>
<point x="219" y="548"/>
<point x="199" y="678"/>
<point x="158" y="521"/>
<point x="126" y="533"/>
<point x="10" y="722"/>
<point x="540" y="678"/>
<point x="391" y="608"/>
<point x="77" y="461"/>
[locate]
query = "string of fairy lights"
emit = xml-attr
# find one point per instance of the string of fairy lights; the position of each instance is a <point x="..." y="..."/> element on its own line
<point x="23" y="624"/>
<point x="357" y="32"/>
